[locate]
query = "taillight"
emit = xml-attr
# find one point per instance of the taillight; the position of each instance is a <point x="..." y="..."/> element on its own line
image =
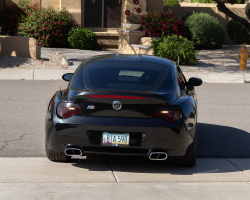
<point x="169" y="113"/>
<point x="65" y="110"/>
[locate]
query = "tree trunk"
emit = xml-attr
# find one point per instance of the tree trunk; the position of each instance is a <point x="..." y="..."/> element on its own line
<point x="222" y="7"/>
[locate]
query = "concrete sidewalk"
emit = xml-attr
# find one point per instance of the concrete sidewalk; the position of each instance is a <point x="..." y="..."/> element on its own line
<point x="33" y="74"/>
<point x="39" y="178"/>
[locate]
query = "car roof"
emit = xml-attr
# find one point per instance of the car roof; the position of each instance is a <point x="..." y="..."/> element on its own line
<point x="129" y="58"/>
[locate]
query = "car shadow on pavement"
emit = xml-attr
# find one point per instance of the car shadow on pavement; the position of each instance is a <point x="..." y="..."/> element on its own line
<point x="222" y="141"/>
<point x="215" y="144"/>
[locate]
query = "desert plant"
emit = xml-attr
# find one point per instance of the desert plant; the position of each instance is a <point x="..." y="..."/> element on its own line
<point x="173" y="46"/>
<point x="80" y="38"/>
<point x="49" y="26"/>
<point x="171" y="3"/>
<point x="205" y="30"/>
<point x="157" y="24"/>
<point x="237" y="32"/>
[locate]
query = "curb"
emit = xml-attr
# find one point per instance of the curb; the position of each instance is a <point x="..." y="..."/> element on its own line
<point x="33" y="74"/>
<point x="219" y="77"/>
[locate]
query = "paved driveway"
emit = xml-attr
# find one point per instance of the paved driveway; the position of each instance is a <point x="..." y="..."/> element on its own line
<point x="222" y="129"/>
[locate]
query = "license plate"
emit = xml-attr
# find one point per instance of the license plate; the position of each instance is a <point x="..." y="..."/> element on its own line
<point x="115" y="139"/>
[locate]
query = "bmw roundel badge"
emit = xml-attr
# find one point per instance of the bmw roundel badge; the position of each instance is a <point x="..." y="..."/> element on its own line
<point x="117" y="105"/>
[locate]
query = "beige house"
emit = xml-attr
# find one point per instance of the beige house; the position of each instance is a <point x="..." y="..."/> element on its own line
<point x="104" y="17"/>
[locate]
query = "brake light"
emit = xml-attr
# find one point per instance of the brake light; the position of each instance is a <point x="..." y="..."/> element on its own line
<point x="170" y="113"/>
<point x="116" y="97"/>
<point x="65" y="110"/>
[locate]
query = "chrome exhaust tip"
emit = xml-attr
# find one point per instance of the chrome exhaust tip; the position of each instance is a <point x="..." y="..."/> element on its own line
<point x="73" y="152"/>
<point x="158" y="156"/>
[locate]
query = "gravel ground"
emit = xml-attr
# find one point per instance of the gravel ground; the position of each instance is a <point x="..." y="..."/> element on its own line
<point x="217" y="61"/>
<point x="12" y="62"/>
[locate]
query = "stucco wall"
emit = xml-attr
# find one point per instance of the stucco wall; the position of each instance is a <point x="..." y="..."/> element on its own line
<point x="52" y="3"/>
<point x="154" y="5"/>
<point x="75" y="8"/>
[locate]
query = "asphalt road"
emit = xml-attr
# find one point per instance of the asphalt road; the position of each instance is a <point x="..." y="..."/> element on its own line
<point x="223" y="128"/>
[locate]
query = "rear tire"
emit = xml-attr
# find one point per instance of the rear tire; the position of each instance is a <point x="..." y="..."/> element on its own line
<point x="59" y="156"/>
<point x="189" y="159"/>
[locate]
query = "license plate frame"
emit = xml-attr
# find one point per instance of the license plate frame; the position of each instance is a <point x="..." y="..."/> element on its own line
<point x="115" y="139"/>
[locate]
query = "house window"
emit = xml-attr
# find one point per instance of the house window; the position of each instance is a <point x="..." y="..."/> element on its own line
<point x="102" y="13"/>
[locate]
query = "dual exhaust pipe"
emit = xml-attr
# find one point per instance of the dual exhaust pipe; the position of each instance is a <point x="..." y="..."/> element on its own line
<point x="157" y="155"/>
<point x="76" y="151"/>
<point x="73" y="151"/>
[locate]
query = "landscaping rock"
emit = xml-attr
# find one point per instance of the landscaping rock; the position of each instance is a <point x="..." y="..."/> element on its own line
<point x="57" y="57"/>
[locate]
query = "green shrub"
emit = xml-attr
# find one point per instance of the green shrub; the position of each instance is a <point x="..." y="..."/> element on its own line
<point x="211" y="1"/>
<point x="202" y="1"/>
<point x="205" y="31"/>
<point x="27" y="7"/>
<point x="9" y="18"/>
<point x="156" y="24"/>
<point x="237" y="32"/>
<point x="12" y="15"/>
<point x="80" y="38"/>
<point x="171" y="3"/>
<point x="48" y="26"/>
<point x="172" y="46"/>
<point x="185" y="31"/>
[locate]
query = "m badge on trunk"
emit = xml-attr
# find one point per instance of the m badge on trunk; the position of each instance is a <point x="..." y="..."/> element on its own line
<point x="91" y="107"/>
<point x="117" y="105"/>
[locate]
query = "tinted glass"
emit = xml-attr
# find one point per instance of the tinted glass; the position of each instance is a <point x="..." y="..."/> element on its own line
<point x="124" y="76"/>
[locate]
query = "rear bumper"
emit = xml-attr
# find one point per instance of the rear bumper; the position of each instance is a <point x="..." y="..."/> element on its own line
<point x="116" y="151"/>
<point x="156" y="134"/>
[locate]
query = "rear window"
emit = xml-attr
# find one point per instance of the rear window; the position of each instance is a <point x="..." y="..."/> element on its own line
<point x="123" y="76"/>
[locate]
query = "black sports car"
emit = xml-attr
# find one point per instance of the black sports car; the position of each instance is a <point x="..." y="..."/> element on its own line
<point x="124" y="105"/>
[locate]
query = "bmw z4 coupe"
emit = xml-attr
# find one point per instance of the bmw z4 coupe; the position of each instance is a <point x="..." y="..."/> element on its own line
<point x="115" y="104"/>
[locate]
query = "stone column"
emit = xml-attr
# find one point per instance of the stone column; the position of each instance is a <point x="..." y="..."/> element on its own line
<point x="126" y="38"/>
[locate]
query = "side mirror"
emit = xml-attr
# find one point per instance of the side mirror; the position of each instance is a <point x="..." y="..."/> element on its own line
<point x="194" y="82"/>
<point x="67" y="77"/>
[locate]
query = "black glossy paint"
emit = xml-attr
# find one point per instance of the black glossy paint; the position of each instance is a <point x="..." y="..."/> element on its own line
<point x="136" y="116"/>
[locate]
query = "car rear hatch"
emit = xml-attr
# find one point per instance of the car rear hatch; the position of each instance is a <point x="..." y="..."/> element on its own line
<point x="132" y="85"/>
